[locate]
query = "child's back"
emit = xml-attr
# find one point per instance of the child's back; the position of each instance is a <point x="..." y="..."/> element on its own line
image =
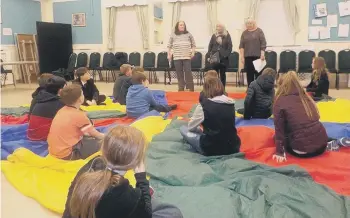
<point x="122" y="84"/>
<point x="138" y="100"/>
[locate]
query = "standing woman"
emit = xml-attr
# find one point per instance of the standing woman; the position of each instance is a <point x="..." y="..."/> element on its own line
<point x="252" y="47"/>
<point x="221" y="42"/>
<point x="182" y="47"/>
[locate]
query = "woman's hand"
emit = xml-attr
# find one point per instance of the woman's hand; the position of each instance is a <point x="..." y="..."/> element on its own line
<point x="169" y="56"/>
<point x="141" y="167"/>
<point x="278" y="158"/>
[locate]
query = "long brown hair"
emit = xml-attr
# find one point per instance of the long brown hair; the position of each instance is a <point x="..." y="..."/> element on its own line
<point x="290" y="81"/>
<point x="213" y="87"/>
<point x="122" y="149"/>
<point x="319" y="68"/>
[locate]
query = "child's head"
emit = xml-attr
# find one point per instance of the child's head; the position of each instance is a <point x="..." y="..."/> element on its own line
<point x="83" y="74"/>
<point x="126" y="69"/>
<point x="213" y="87"/>
<point x="138" y="77"/>
<point x="55" y="84"/>
<point x="123" y="148"/>
<point x="44" y="78"/>
<point x="72" y="95"/>
<point x="269" y="71"/>
<point x="288" y="84"/>
<point x="211" y="74"/>
<point x="319" y="68"/>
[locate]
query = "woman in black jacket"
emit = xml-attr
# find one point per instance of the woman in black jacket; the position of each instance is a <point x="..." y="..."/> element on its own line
<point x="221" y="42"/>
<point x="100" y="190"/>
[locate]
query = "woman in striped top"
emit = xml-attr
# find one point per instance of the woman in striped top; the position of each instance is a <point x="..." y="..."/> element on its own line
<point x="182" y="47"/>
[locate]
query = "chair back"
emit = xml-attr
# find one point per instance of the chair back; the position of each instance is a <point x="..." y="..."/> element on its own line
<point x="344" y="61"/>
<point x="271" y="59"/>
<point x="196" y="62"/>
<point x="109" y="61"/>
<point x="330" y="58"/>
<point x="288" y="61"/>
<point x="149" y="60"/>
<point x="82" y="60"/>
<point x="135" y="59"/>
<point x="122" y="58"/>
<point x="95" y="59"/>
<point x="305" y="59"/>
<point x="162" y="61"/>
<point x="233" y="62"/>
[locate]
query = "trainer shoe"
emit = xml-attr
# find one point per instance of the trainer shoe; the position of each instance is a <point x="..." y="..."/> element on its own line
<point x="344" y="142"/>
<point x="333" y="146"/>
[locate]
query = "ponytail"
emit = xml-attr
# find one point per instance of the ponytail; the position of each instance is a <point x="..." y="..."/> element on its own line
<point x="88" y="191"/>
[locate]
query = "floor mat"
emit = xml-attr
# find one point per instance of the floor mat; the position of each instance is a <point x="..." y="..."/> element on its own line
<point x="230" y="186"/>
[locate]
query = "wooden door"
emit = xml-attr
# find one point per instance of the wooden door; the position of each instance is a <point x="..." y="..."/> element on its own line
<point x="27" y="50"/>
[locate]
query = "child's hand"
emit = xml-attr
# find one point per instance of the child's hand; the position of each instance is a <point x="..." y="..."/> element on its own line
<point x="278" y="158"/>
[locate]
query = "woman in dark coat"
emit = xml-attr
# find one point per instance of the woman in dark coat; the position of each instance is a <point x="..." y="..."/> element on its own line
<point x="221" y="42"/>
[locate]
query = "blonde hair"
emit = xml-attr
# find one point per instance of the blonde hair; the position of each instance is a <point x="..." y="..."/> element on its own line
<point x="290" y="81"/>
<point x="138" y="76"/>
<point x="213" y="87"/>
<point x="211" y="74"/>
<point x="319" y="68"/>
<point x="125" y="68"/>
<point x="123" y="148"/>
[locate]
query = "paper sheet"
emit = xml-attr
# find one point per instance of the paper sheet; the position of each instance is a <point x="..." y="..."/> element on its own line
<point x="343" y="30"/>
<point x="320" y="10"/>
<point x="314" y="32"/>
<point x="316" y="22"/>
<point x="7" y="31"/>
<point x="344" y="8"/>
<point x="259" y="64"/>
<point x="332" y="20"/>
<point x="325" y="33"/>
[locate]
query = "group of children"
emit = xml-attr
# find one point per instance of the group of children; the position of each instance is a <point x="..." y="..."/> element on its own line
<point x="100" y="189"/>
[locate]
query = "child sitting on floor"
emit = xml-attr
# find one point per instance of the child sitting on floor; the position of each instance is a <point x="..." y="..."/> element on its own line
<point x="297" y="121"/>
<point x="217" y="116"/>
<point x="42" y="82"/>
<point x="208" y="74"/>
<point x="100" y="190"/>
<point x="139" y="99"/>
<point x="260" y="94"/>
<point x="46" y="104"/>
<point x="72" y="135"/>
<point x="319" y="84"/>
<point x="91" y="93"/>
<point x="122" y="84"/>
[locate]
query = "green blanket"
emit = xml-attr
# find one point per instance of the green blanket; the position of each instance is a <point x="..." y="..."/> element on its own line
<point x="15" y="111"/>
<point x="230" y="186"/>
<point x="105" y="114"/>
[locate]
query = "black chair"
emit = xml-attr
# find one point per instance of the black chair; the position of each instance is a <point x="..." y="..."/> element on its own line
<point x="343" y="63"/>
<point x="305" y="59"/>
<point x="271" y="59"/>
<point x="82" y="60"/>
<point x="330" y="58"/>
<point x="196" y="66"/>
<point x="94" y="65"/>
<point x="4" y="75"/>
<point x="135" y="59"/>
<point x="207" y="65"/>
<point x="122" y="58"/>
<point x="149" y="63"/>
<point x="288" y="61"/>
<point x="163" y="64"/>
<point x="68" y="73"/>
<point x="233" y="65"/>
<point x="109" y="64"/>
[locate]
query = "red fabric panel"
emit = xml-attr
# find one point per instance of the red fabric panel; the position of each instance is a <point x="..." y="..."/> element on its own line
<point x="331" y="169"/>
<point x="38" y="128"/>
<point x="8" y="119"/>
<point x="109" y="121"/>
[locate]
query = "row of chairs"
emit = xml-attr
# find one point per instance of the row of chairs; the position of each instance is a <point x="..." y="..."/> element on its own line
<point x="153" y="63"/>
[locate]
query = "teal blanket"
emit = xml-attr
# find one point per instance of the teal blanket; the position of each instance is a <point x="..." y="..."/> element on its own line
<point x="230" y="186"/>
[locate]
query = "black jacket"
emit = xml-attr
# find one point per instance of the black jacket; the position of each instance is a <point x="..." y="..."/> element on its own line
<point x="89" y="89"/>
<point x="120" y="201"/>
<point x="224" y="50"/>
<point x="120" y="88"/>
<point x="319" y="87"/>
<point x="259" y="100"/>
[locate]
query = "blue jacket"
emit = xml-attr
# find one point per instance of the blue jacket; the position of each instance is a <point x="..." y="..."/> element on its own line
<point x="139" y="100"/>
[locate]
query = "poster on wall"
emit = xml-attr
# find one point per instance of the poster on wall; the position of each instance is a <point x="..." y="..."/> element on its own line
<point x="320" y="10"/>
<point x="344" y="8"/>
<point x="79" y="20"/>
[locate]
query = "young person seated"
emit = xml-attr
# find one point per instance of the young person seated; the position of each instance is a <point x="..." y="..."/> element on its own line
<point x="208" y="74"/>
<point x="72" y="136"/>
<point x="42" y="82"/>
<point x="297" y="121"/>
<point x="216" y="114"/>
<point x="46" y="104"/>
<point x="91" y="93"/>
<point x="319" y="84"/>
<point x="139" y="99"/>
<point x="122" y="84"/>
<point x="100" y="190"/>
<point x="260" y="94"/>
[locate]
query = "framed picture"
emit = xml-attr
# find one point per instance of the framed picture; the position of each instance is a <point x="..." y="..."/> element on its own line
<point x="320" y="10"/>
<point x="79" y="20"/>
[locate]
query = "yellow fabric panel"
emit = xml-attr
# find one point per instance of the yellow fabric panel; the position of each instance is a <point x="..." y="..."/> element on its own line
<point x="109" y="106"/>
<point x="47" y="179"/>
<point x="337" y="111"/>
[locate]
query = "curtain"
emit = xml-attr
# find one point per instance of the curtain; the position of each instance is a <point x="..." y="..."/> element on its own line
<point x="142" y="17"/>
<point x="111" y="27"/>
<point x="252" y="8"/>
<point x="292" y="11"/>
<point x="176" y="13"/>
<point x="212" y="15"/>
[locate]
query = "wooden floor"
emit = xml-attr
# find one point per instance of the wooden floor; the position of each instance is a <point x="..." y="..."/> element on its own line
<point x="13" y="203"/>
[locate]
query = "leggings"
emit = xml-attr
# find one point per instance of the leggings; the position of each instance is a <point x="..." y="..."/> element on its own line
<point x="84" y="149"/>
<point x="250" y="69"/>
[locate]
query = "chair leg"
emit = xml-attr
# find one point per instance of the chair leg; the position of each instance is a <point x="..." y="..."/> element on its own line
<point x="165" y="77"/>
<point x="337" y="80"/>
<point x="150" y="77"/>
<point x="155" y="76"/>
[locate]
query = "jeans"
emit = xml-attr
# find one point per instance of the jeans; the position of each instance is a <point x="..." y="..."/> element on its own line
<point x="250" y="69"/>
<point x="192" y="138"/>
<point x="184" y="74"/>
